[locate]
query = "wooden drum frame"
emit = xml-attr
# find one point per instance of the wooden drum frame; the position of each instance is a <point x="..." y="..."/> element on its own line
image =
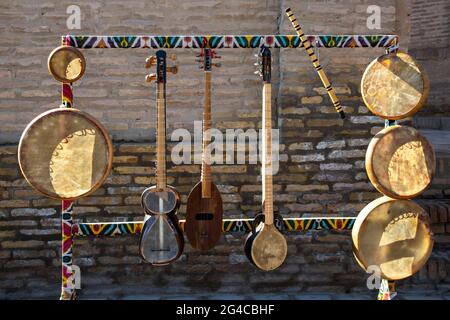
<point x="65" y="153"/>
<point x="400" y="162"/>
<point x="393" y="235"/>
<point x="394" y="86"/>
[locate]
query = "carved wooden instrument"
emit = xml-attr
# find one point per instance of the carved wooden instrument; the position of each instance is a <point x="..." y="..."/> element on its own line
<point x="394" y="86"/>
<point x="65" y="153"/>
<point x="266" y="247"/>
<point x="393" y="235"/>
<point x="400" y="162"/>
<point x="315" y="61"/>
<point x="161" y="239"/>
<point x="204" y="205"/>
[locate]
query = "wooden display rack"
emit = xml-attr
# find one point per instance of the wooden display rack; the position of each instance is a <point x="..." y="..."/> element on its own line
<point x="70" y="230"/>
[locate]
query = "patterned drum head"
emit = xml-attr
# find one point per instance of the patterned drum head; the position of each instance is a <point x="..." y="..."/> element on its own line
<point x="66" y="64"/>
<point x="394" y="86"/>
<point x="393" y="235"/>
<point x="65" y="153"/>
<point x="400" y="162"/>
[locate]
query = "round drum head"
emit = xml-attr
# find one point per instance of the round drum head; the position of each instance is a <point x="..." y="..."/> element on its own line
<point x="393" y="235"/>
<point x="394" y="86"/>
<point x="66" y="64"/>
<point x="400" y="162"/>
<point x="65" y="153"/>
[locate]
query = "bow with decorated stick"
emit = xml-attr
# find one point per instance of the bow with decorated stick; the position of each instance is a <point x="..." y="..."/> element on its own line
<point x="315" y="61"/>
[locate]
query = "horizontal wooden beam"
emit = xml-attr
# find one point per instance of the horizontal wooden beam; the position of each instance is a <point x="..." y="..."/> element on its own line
<point x="228" y="225"/>
<point x="227" y="41"/>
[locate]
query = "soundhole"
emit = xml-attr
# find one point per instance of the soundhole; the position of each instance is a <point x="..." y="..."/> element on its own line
<point x="204" y="216"/>
<point x="159" y="202"/>
<point x="158" y="242"/>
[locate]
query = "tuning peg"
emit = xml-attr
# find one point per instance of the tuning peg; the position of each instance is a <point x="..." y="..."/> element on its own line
<point x="199" y="60"/>
<point x="172" y="56"/>
<point x="217" y="65"/>
<point x="150" y="77"/>
<point x="173" y="70"/>
<point x="150" y="62"/>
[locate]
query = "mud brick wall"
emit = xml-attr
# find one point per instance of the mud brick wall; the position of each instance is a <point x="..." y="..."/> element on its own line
<point x="322" y="157"/>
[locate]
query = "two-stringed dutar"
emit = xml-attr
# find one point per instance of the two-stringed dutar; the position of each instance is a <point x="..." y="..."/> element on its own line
<point x="204" y="208"/>
<point x="161" y="239"/>
<point x="266" y="247"/>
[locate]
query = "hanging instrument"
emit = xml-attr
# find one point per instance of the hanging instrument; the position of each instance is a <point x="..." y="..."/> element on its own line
<point x="315" y="61"/>
<point x="161" y="239"/>
<point x="67" y="64"/>
<point x="65" y="154"/>
<point x="265" y="246"/>
<point x="393" y="235"/>
<point x="204" y="209"/>
<point x="394" y="86"/>
<point x="400" y="162"/>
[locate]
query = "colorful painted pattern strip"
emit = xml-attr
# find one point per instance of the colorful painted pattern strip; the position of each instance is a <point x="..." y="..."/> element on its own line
<point x="228" y="41"/>
<point x="387" y="290"/>
<point x="229" y="225"/>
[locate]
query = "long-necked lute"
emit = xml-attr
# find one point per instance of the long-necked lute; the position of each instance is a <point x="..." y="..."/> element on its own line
<point x="265" y="246"/>
<point x="204" y="205"/>
<point x="161" y="239"/>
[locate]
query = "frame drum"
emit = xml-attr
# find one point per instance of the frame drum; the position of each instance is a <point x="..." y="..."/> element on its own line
<point x="393" y="235"/>
<point x="400" y="162"/>
<point x="394" y="86"/>
<point x="66" y="64"/>
<point x="65" y="153"/>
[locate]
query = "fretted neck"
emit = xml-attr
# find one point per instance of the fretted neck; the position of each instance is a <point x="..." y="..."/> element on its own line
<point x="266" y="168"/>
<point x="161" y="180"/>
<point x="206" y="168"/>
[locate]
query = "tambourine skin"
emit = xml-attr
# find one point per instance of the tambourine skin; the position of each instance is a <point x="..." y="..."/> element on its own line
<point x="394" y="86"/>
<point x="66" y="64"/>
<point x="65" y="154"/>
<point x="400" y="162"/>
<point x="393" y="235"/>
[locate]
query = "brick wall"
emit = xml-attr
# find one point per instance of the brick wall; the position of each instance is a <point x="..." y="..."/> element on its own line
<point x="322" y="157"/>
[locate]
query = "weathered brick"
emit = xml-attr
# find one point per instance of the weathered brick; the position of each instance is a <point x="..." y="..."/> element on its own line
<point x="344" y="154"/>
<point x="335" y="166"/>
<point x="304" y="188"/>
<point x="336" y="144"/>
<point x="295" y="110"/>
<point x="22" y="244"/>
<point x="312" y="100"/>
<point x="100" y="200"/>
<point x="14" y="203"/>
<point x="324" y="122"/>
<point x="125" y="159"/>
<point x="32" y="212"/>
<point x="301" y="146"/>
<point x="308" y="158"/>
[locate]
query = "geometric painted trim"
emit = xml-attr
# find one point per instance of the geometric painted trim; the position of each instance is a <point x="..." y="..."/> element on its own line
<point x="227" y="41"/>
<point x="228" y="225"/>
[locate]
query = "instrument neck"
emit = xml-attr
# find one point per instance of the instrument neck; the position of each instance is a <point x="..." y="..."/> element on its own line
<point x="206" y="168"/>
<point x="161" y="180"/>
<point x="266" y="167"/>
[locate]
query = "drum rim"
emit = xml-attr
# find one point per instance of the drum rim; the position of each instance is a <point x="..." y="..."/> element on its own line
<point x="79" y="55"/>
<point x="374" y="178"/>
<point x="89" y="118"/>
<point x="420" y="104"/>
<point x="359" y="224"/>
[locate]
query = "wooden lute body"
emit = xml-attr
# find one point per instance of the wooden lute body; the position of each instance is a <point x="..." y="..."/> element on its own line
<point x="266" y="246"/>
<point x="204" y="208"/>
<point x="161" y="239"/>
